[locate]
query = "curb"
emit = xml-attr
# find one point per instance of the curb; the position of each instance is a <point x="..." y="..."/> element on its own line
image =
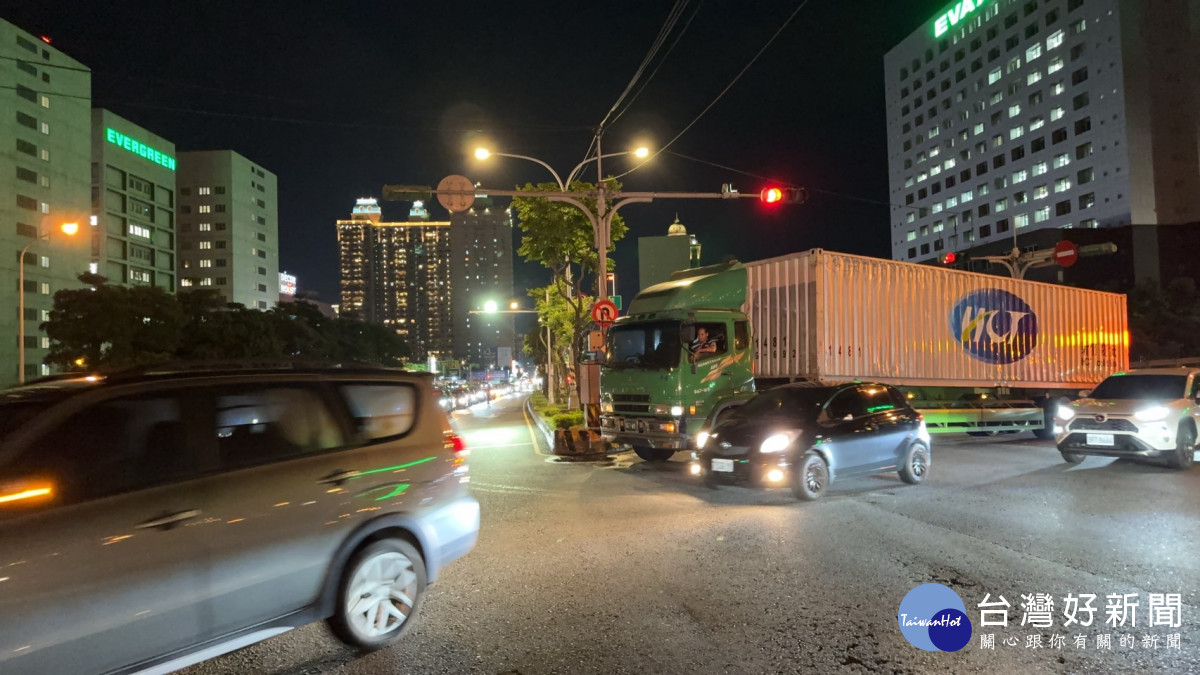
<point x="547" y="434"/>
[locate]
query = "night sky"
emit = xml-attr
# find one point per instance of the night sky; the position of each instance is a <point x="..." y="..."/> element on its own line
<point x="338" y="102"/>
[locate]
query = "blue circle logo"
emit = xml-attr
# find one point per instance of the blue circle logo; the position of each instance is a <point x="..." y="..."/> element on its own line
<point x="932" y="617"/>
<point x="994" y="326"/>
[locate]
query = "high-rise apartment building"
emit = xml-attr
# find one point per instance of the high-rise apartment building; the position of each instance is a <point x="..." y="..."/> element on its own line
<point x="398" y="274"/>
<point x="228" y="227"/>
<point x="1009" y="116"/>
<point x="45" y="134"/>
<point x="481" y="270"/>
<point x="133" y="203"/>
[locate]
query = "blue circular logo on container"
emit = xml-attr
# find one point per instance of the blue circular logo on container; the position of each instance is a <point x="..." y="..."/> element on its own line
<point x="994" y="326"/>
<point x="932" y="617"/>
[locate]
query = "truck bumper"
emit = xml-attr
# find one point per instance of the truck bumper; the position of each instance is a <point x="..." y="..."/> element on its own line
<point x="642" y="431"/>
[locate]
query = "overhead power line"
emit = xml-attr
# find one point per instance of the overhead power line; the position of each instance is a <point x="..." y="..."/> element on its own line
<point x="723" y="91"/>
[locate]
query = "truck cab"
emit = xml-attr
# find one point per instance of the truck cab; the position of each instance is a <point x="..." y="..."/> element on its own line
<point x="683" y="350"/>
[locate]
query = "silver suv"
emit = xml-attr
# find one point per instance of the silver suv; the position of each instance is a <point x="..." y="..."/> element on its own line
<point x="1141" y="413"/>
<point x="152" y="520"/>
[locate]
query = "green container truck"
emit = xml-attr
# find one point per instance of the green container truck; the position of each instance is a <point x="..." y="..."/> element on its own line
<point x="975" y="353"/>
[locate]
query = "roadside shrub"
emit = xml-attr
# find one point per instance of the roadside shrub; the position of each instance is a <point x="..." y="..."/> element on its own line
<point x="566" y="420"/>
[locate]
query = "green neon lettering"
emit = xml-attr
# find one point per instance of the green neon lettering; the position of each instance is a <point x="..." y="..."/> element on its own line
<point x="955" y="15"/>
<point x="140" y="149"/>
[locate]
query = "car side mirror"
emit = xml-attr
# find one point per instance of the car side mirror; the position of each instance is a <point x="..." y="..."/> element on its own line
<point x="1084" y="393"/>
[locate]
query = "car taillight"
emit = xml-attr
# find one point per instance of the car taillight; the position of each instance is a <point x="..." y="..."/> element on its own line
<point x="455" y="443"/>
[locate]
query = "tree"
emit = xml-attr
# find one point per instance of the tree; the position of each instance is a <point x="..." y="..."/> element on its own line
<point x="553" y="310"/>
<point x="113" y="326"/>
<point x="560" y="237"/>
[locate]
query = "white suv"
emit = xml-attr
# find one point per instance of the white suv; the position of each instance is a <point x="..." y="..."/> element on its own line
<point x="1141" y="413"/>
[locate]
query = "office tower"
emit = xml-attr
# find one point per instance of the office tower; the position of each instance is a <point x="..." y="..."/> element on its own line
<point x="482" y="271"/>
<point x="228" y="227"/>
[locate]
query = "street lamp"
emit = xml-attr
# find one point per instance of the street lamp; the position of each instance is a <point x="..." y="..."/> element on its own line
<point x="69" y="229"/>
<point x="601" y="220"/>
<point x="640" y="152"/>
<point x="490" y="307"/>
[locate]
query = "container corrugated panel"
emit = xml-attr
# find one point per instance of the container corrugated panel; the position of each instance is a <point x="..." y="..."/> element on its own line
<point x="833" y="316"/>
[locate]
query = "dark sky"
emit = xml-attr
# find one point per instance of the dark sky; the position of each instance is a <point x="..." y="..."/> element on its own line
<point x="339" y="101"/>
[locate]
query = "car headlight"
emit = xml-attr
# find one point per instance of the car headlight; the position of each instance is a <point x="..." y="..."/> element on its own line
<point x="775" y="443"/>
<point x="1152" y="414"/>
<point x="702" y="439"/>
<point x="676" y="411"/>
<point x="1064" y="413"/>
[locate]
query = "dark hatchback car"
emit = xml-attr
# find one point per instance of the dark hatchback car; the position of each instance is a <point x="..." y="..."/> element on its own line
<point x="153" y="519"/>
<point x="805" y="435"/>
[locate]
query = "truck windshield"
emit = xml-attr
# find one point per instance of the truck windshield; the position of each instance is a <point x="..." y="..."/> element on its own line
<point x="1141" y="386"/>
<point x="646" y="346"/>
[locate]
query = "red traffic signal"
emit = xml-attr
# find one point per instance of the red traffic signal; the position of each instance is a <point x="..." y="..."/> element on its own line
<point x="949" y="258"/>
<point x="783" y="195"/>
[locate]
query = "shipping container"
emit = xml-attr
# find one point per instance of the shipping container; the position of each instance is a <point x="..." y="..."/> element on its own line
<point x="831" y="316"/>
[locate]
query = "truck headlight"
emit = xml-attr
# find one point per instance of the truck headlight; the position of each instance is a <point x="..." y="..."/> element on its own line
<point x="676" y="411"/>
<point x="1064" y="413"/>
<point x="606" y="407"/>
<point x="1152" y="414"/>
<point x="775" y="443"/>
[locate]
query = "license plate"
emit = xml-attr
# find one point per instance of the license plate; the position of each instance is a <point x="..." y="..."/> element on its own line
<point x="722" y="465"/>
<point x="1100" y="439"/>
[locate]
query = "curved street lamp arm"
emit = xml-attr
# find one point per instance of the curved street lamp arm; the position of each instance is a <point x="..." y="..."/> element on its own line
<point x="561" y="186"/>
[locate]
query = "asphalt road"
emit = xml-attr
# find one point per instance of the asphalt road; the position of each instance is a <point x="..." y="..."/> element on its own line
<point x="635" y="568"/>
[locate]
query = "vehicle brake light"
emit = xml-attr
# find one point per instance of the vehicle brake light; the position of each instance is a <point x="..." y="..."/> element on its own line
<point x="455" y="443"/>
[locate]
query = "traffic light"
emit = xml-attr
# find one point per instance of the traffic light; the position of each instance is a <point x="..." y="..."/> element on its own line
<point x="949" y="258"/>
<point x="783" y="195"/>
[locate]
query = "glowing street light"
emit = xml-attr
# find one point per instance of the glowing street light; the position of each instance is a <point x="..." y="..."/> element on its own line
<point x="490" y="306"/>
<point x="69" y="229"/>
<point x="640" y="152"/>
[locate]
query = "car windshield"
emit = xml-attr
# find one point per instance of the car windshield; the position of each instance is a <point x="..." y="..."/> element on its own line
<point x="785" y="401"/>
<point x="646" y="346"/>
<point x="1141" y="386"/>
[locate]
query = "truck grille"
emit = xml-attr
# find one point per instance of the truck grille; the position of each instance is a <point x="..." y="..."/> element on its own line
<point x="1110" y="424"/>
<point x="631" y="398"/>
<point x="631" y="408"/>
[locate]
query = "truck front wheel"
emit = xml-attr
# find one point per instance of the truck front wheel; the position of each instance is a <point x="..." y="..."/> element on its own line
<point x="650" y="454"/>
<point x="1049" y="406"/>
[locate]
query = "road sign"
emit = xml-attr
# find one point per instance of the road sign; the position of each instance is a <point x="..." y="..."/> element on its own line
<point x="1066" y="253"/>
<point x="617" y="301"/>
<point x="456" y="193"/>
<point x="604" y="312"/>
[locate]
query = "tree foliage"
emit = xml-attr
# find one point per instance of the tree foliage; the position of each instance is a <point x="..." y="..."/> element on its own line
<point x="559" y="236"/>
<point x="118" y="326"/>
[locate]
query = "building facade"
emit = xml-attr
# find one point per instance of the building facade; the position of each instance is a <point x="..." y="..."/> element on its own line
<point x="133" y="203"/>
<point x="45" y="154"/>
<point x="1010" y="116"/>
<point x="398" y="274"/>
<point x="481" y="270"/>
<point x="228" y="228"/>
<point x="658" y="257"/>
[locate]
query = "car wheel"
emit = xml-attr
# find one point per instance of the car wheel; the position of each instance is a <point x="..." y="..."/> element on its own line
<point x="916" y="464"/>
<point x="1185" y="447"/>
<point x="1072" y="457"/>
<point x="812" y="479"/>
<point x="653" y="454"/>
<point x="379" y="594"/>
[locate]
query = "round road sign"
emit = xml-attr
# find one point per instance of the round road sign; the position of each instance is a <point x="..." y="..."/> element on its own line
<point x="456" y="193"/>
<point x="1066" y="253"/>
<point x="604" y="312"/>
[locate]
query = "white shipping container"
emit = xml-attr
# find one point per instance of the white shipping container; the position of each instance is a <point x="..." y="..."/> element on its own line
<point x="833" y="316"/>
